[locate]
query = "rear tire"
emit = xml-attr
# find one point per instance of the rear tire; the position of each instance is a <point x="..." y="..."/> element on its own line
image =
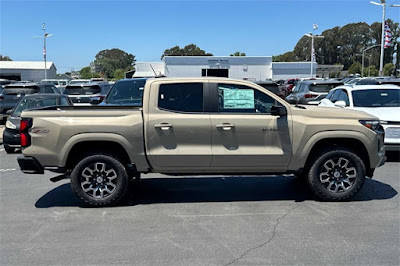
<point x="8" y="149"/>
<point x="99" y="180"/>
<point x="336" y="174"/>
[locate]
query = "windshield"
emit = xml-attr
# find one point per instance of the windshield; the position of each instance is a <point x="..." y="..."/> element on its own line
<point x="53" y="82"/>
<point x="376" y="98"/>
<point x="33" y="103"/>
<point x="322" y="87"/>
<point x="271" y="88"/>
<point x="127" y="92"/>
<point x="82" y="90"/>
<point x="78" y="81"/>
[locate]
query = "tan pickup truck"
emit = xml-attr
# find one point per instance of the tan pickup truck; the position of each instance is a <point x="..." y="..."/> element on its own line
<point x="200" y="126"/>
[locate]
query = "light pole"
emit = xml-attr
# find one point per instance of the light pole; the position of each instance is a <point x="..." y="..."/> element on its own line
<point x="363" y="54"/>
<point x="383" y="4"/>
<point x="45" y="35"/>
<point x="312" y="35"/>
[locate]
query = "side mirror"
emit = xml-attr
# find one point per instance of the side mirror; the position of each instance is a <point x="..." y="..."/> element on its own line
<point x="278" y="110"/>
<point x="9" y="112"/>
<point x="96" y="100"/>
<point x="340" y="104"/>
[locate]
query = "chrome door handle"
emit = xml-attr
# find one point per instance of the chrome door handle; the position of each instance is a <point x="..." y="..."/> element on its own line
<point x="225" y="127"/>
<point x="163" y="126"/>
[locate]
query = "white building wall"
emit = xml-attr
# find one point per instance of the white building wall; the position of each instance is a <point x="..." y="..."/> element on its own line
<point x="241" y="67"/>
<point x="289" y="70"/>
<point x="34" y="75"/>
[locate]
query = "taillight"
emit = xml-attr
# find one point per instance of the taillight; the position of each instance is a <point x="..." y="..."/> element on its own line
<point x="25" y="125"/>
<point x="309" y="95"/>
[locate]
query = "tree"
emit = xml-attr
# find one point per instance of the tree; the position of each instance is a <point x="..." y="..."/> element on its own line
<point x="355" y="68"/>
<point x="5" y="58"/>
<point x="371" y="71"/>
<point x="85" y="73"/>
<point x="188" y="50"/>
<point x="119" y="74"/>
<point x="345" y="44"/>
<point x="113" y="59"/>
<point x="237" y="53"/>
<point x="388" y="69"/>
<point x="286" y="57"/>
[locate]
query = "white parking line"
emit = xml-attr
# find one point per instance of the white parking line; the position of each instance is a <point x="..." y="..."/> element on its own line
<point x="7" y="170"/>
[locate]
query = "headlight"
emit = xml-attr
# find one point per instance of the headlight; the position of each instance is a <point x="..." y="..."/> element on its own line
<point x="372" y="124"/>
<point x="10" y="125"/>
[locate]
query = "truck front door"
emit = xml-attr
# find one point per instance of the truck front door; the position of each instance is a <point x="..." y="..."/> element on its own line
<point x="178" y="130"/>
<point x="245" y="136"/>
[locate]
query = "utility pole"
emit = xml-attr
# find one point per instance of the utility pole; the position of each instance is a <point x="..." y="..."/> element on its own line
<point x="363" y="53"/>
<point x="45" y="35"/>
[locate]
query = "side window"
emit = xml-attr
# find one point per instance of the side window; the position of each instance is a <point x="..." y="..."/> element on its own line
<point x="329" y="96"/>
<point x="64" y="101"/>
<point x="243" y="99"/>
<point x="344" y="97"/>
<point x="182" y="97"/>
<point x="55" y="90"/>
<point x="303" y="88"/>
<point x="335" y="96"/>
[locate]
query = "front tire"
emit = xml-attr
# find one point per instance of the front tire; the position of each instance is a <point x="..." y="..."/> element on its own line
<point x="99" y="180"/>
<point x="336" y="174"/>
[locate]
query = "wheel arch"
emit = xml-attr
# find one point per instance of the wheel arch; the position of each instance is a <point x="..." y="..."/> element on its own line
<point x="352" y="140"/>
<point x="111" y="148"/>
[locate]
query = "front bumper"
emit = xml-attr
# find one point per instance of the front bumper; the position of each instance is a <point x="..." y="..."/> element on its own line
<point x="29" y="165"/>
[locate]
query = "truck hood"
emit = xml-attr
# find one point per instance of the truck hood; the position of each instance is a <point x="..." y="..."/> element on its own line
<point x="331" y="112"/>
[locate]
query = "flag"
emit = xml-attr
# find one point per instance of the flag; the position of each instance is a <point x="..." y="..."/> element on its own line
<point x="388" y="36"/>
<point x="314" y="26"/>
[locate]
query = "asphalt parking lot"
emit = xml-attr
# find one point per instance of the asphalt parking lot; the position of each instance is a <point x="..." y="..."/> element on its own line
<point x="198" y="221"/>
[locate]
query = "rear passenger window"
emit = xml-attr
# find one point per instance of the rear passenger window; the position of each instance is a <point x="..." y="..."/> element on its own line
<point x="182" y="97"/>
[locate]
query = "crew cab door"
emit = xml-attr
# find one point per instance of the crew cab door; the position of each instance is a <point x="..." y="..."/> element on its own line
<point x="245" y="136"/>
<point x="178" y="130"/>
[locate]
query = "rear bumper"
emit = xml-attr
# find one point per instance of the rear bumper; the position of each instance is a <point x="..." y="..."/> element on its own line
<point x="11" y="138"/>
<point x="392" y="147"/>
<point x="30" y="165"/>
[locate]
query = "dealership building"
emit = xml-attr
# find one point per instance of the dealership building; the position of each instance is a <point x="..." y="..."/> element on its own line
<point x="26" y="70"/>
<point x="252" y="68"/>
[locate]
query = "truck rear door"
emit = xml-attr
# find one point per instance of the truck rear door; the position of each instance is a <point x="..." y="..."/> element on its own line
<point x="177" y="126"/>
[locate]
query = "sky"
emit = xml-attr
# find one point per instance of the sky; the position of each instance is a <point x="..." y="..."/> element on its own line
<point x="146" y="28"/>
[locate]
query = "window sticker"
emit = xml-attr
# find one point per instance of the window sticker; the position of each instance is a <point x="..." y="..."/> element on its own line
<point x="238" y="99"/>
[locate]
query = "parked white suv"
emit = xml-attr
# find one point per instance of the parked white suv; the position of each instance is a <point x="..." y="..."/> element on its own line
<point x="382" y="101"/>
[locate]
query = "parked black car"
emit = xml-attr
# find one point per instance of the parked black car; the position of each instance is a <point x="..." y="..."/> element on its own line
<point x="13" y="93"/>
<point x="84" y="93"/>
<point x="311" y="91"/>
<point x="11" y="136"/>
<point x="272" y="87"/>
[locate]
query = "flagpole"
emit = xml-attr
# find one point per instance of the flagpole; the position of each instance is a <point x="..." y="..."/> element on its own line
<point x="312" y="52"/>
<point x="382" y="39"/>
<point x="44" y="50"/>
